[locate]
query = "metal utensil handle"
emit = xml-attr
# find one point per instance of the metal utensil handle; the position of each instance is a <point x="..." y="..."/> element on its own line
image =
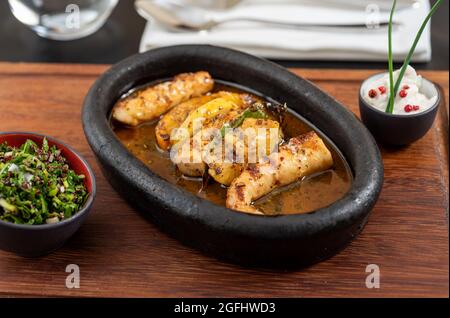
<point x="299" y="25"/>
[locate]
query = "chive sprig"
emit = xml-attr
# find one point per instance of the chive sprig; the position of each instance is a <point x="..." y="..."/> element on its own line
<point x="395" y="87"/>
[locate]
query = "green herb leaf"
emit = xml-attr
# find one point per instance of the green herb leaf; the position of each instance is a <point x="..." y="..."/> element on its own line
<point x="252" y="112"/>
<point x="7" y="206"/>
<point x="390" y="105"/>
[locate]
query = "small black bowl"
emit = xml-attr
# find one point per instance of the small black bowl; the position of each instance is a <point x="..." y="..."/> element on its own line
<point x="394" y="129"/>
<point x="39" y="240"/>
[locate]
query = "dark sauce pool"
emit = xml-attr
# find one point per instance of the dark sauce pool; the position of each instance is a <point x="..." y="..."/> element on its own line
<point x="304" y="196"/>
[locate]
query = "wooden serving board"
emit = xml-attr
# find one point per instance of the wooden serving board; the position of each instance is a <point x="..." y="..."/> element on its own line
<point x="120" y="254"/>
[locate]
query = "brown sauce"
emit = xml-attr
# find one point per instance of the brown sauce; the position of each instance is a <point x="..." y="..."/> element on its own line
<point x="307" y="195"/>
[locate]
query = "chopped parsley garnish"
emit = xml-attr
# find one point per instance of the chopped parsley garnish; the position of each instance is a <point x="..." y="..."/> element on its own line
<point x="37" y="185"/>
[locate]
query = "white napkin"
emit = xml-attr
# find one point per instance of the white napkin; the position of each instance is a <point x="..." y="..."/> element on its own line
<point x="297" y="44"/>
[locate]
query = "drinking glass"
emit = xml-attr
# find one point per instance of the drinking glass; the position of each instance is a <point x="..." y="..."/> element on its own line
<point x="63" y="19"/>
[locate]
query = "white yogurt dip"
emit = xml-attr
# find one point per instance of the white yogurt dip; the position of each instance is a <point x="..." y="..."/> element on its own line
<point x="409" y="99"/>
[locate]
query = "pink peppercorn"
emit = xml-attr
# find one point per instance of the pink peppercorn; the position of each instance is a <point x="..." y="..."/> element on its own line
<point x="382" y="89"/>
<point x="372" y="93"/>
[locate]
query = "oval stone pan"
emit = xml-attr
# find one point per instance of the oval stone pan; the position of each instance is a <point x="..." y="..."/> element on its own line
<point x="286" y="241"/>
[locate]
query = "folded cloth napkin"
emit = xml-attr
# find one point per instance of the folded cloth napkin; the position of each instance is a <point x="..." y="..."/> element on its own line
<point x="313" y="44"/>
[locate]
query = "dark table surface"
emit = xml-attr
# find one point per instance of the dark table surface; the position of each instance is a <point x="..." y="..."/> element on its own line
<point x="121" y="35"/>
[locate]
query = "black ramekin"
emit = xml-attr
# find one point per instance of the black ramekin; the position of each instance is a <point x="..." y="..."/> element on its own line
<point x="394" y="129"/>
<point x="39" y="240"/>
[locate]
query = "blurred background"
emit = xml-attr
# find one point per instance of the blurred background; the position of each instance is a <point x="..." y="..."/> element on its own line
<point x="327" y="42"/>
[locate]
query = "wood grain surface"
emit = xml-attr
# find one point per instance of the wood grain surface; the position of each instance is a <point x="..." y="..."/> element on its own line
<point x="121" y="254"/>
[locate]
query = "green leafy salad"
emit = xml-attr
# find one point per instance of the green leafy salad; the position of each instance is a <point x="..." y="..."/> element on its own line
<point x="37" y="185"/>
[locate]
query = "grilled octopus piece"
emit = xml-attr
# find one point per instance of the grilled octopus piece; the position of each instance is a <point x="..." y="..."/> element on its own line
<point x="148" y="104"/>
<point x="301" y="156"/>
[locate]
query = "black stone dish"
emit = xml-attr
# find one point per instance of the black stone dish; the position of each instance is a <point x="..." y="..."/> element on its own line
<point x="282" y="241"/>
<point x="39" y="240"/>
<point x="398" y="130"/>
